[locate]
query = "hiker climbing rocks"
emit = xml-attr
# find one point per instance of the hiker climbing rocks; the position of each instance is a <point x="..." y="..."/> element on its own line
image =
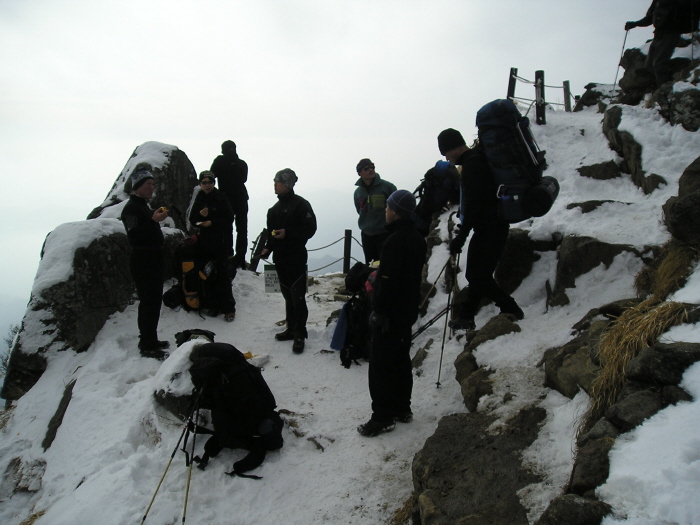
<point x="478" y="214"/>
<point x="291" y="223"/>
<point x="395" y="309"/>
<point x="670" y="18"/>
<point x="232" y="173"/>
<point x="212" y="216"/>
<point x="370" y="201"/>
<point x="143" y="231"/>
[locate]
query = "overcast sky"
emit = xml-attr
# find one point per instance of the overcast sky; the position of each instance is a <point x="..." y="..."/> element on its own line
<point x="313" y="85"/>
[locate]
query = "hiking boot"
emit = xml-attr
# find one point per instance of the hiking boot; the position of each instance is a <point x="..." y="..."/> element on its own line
<point x="154" y="353"/>
<point x="466" y="323"/>
<point x="374" y="427"/>
<point x="230" y="316"/>
<point x="212" y="312"/>
<point x="511" y="307"/>
<point x="298" y="346"/>
<point x="404" y="417"/>
<point x="147" y="346"/>
<point x="287" y="335"/>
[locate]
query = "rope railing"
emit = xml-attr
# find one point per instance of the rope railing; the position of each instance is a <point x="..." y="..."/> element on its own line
<point x="539" y="101"/>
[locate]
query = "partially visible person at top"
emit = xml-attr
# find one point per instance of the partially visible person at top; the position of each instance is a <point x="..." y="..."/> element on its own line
<point x="670" y="18"/>
<point x="490" y="233"/>
<point x="212" y="215"/>
<point x="394" y="310"/>
<point x="146" y="239"/>
<point x="370" y="202"/>
<point x="232" y="173"/>
<point x="291" y="223"/>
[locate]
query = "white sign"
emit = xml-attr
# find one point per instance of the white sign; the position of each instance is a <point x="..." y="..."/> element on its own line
<point x="272" y="282"/>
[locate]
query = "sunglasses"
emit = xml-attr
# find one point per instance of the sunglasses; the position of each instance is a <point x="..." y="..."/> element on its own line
<point x="207" y="182"/>
<point x="368" y="167"/>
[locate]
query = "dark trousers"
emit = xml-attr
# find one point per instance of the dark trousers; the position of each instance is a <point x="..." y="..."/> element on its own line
<point x="659" y="57"/>
<point x="146" y="267"/>
<point x="220" y="287"/>
<point x="372" y="246"/>
<point x="240" y="211"/>
<point x="390" y="372"/>
<point x="484" y="252"/>
<point x="292" y="278"/>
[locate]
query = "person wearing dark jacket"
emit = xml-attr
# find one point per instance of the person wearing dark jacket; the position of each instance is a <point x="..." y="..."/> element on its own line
<point x="478" y="214"/>
<point x="291" y="223"/>
<point x="143" y="232"/>
<point x="671" y="18"/>
<point x="395" y="309"/>
<point x="212" y="215"/>
<point x="232" y="173"/>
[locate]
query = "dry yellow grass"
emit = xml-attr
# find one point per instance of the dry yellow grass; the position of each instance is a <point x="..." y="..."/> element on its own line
<point x="635" y="329"/>
<point x="669" y="271"/>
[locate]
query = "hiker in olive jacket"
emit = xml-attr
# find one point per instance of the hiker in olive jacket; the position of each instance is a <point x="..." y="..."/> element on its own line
<point x="370" y="201"/>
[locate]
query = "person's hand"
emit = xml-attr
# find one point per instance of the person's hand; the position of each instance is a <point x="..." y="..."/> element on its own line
<point x="160" y="215"/>
<point x="264" y="252"/>
<point x="458" y="242"/>
<point x="630" y="25"/>
<point x="205" y="224"/>
<point x="204" y="212"/>
<point x="278" y="234"/>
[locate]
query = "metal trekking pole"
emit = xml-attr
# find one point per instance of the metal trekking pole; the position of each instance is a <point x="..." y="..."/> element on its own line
<point x="620" y="61"/>
<point x="190" y="459"/>
<point x="430" y="323"/>
<point x="433" y="285"/>
<point x="195" y="406"/>
<point x="444" y="331"/>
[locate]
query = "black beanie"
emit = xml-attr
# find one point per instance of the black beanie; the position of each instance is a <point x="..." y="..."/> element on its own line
<point x="138" y="177"/>
<point x="362" y="164"/>
<point x="450" y="139"/>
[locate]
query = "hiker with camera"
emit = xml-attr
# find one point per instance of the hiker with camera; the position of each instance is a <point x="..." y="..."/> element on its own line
<point x="291" y="223"/>
<point x="142" y="225"/>
<point x="395" y="305"/>
<point x="478" y="213"/>
<point x="212" y="215"/>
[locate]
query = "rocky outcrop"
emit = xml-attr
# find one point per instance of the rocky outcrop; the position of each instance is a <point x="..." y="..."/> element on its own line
<point x="682" y="213"/>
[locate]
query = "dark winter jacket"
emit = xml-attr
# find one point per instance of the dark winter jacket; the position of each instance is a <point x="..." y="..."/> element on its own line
<point x="294" y="215"/>
<point x="478" y="202"/>
<point x="231" y="173"/>
<point x="397" y="286"/>
<point x="672" y="16"/>
<point x="213" y="239"/>
<point x="141" y="230"/>
<point x="370" y="203"/>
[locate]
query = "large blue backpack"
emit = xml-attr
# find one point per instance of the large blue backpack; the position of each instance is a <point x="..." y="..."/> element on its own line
<point x="516" y="162"/>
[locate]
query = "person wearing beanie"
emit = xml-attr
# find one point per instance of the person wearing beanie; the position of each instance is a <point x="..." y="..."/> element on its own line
<point x="142" y="225"/>
<point x="370" y="200"/>
<point x="232" y="173"/>
<point x="211" y="215"/>
<point x="291" y="223"/>
<point x="394" y="310"/>
<point x="478" y="214"/>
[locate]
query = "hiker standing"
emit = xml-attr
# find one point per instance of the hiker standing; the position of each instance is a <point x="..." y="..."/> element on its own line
<point x="370" y="200"/>
<point x="212" y="215"/>
<point x="291" y="222"/>
<point x="670" y="19"/>
<point x="395" y="309"/>
<point x="232" y="174"/>
<point x="143" y="231"/>
<point x="478" y="213"/>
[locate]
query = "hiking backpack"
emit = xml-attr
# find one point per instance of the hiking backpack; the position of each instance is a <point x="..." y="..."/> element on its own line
<point x="439" y="186"/>
<point x="191" y="290"/>
<point x="516" y="162"/>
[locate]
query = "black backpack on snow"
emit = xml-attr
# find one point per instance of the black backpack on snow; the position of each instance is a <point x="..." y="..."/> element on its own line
<point x="439" y="186"/>
<point x="516" y="162"/>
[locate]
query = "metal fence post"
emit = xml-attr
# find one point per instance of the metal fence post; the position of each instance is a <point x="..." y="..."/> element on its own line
<point x="346" y="251"/>
<point x="511" y="83"/>
<point x="567" y="97"/>
<point x="539" y="98"/>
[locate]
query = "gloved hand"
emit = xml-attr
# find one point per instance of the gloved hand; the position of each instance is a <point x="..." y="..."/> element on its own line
<point x="630" y="25"/>
<point x="458" y="242"/>
<point x="379" y="321"/>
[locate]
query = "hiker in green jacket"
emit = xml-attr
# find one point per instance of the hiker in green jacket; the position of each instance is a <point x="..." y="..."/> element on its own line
<point x="370" y="202"/>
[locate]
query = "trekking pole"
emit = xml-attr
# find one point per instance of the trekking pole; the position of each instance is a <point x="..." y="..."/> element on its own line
<point x="190" y="459"/>
<point x="444" y="331"/>
<point x="432" y="287"/>
<point x="430" y="323"/>
<point x="620" y="61"/>
<point x="195" y="406"/>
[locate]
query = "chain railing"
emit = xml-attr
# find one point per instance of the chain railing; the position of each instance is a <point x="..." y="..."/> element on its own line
<point x="539" y="101"/>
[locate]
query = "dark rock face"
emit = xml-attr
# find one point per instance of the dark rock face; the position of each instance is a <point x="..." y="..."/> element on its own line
<point x="477" y="480"/>
<point x="682" y="213"/>
<point x="663" y="363"/>
<point x="603" y="171"/>
<point x="577" y="256"/>
<point x="684" y="109"/>
<point x="589" y="206"/>
<point x="634" y="409"/>
<point x="516" y="261"/>
<point x="637" y="80"/>
<point x="571" y="509"/>
<point x="570" y="368"/>
<point x="592" y="466"/>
